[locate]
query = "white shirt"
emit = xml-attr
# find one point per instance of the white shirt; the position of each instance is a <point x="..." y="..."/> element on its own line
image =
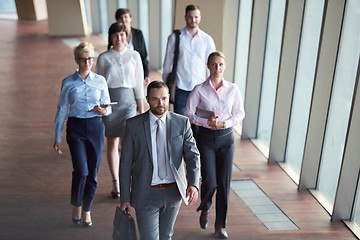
<point x="122" y="69"/>
<point x="155" y="177"/>
<point x="193" y="55"/>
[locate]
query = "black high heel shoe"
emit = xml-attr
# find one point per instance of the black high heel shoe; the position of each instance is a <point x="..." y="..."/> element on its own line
<point x="204" y="219"/>
<point x="115" y="186"/>
<point x="115" y="194"/>
<point x="87" y="224"/>
<point x="76" y="221"/>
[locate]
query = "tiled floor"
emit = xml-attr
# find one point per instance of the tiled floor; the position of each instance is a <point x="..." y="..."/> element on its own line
<point x="35" y="182"/>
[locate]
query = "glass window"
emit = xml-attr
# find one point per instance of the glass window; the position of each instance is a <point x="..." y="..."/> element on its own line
<point x="271" y="66"/>
<point x="304" y="81"/>
<point x="242" y="44"/>
<point x="144" y="20"/>
<point x="166" y="26"/>
<point x="122" y="3"/>
<point x="104" y="23"/>
<point x="356" y="211"/>
<point x="7" y="5"/>
<point x="340" y="103"/>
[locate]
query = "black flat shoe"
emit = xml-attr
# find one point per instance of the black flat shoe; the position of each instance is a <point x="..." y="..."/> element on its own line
<point x="115" y="194"/>
<point x="204" y="219"/>
<point x="221" y="233"/>
<point x="76" y="221"/>
<point x="87" y="224"/>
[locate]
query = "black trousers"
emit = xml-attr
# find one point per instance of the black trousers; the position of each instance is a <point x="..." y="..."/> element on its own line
<point x="216" y="149"/>
<point x="85" y="138"/>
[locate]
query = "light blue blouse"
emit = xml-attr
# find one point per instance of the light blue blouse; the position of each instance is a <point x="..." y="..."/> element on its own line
<point x="78" y="97"/>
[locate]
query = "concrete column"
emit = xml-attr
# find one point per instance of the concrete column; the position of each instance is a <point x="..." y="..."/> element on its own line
<point x="31" y="9"/>
<point x="67" y="18"/>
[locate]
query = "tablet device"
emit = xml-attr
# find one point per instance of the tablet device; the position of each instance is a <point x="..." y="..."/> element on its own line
<point x="204" y="113"/>
<point x="110" y="104"/>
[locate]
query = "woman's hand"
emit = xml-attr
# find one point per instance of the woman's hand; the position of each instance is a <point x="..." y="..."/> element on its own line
<point x="214" y="123"/>
<point x="101" y="109"/>
<point x="57" y="148"/>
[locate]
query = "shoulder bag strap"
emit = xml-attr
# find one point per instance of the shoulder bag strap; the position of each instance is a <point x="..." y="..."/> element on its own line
<point x="176" y="52"/>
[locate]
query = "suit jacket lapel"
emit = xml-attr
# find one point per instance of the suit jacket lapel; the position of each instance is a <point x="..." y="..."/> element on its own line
<point x="169" y="134"/>
<point x="148" y="133"/>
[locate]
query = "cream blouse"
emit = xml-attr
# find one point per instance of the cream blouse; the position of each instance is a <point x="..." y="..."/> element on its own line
<point x="122" y="69"/>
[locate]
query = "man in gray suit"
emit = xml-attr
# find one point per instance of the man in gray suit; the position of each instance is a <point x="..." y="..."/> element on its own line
<point x="155" y="188"/>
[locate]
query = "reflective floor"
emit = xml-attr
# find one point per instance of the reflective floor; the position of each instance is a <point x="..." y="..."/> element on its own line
<point x="35" y="182"/>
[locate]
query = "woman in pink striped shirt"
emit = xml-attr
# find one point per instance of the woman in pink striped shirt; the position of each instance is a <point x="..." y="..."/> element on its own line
<point x="215" y="106"/>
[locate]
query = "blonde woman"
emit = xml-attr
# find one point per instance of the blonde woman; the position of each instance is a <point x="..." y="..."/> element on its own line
<point x="215" y="106"/>
<point x="83" y="101"/>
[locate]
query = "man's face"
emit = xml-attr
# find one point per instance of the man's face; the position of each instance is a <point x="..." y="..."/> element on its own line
<point x="193" y="18"/>
<point x="125" y="19"/>
<point x="158" y="100"/>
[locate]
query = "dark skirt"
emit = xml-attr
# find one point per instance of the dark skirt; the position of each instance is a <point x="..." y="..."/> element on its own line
<point x="126" y="108"/>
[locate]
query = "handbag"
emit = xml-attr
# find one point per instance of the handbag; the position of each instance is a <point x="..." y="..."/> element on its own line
<point x="171" y="79"/>
<point x="124" y="225"/>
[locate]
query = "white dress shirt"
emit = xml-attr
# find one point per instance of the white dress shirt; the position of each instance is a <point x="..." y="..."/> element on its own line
<point x="193" y="55"/>
<point x="226" y="102"/>
<point x="155" y="177"/>
<point x="122" y="69"/>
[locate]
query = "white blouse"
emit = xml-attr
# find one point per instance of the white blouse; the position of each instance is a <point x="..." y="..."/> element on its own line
<point x="122" y="69"/>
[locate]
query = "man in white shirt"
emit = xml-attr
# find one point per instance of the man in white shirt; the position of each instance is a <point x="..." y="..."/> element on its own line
<point x="194" y="49"/>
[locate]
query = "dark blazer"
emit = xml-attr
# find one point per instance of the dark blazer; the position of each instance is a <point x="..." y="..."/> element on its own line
<point x="136" y="166"/>
<point x="139" y="45"/>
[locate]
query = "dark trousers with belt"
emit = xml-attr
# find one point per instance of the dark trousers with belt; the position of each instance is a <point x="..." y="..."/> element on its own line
<point x="85" y="138"/>
<point x="216" y="149"/>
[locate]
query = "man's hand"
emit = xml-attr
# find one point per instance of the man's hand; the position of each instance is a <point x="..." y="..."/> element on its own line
<point x="192" y="193"/>
<point x="125" y="205"/>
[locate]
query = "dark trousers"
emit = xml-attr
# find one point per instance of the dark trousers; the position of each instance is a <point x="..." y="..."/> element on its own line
<point x="85" y="138"/>
<point x="181" y="97"/>
<point x="216" y="149"/>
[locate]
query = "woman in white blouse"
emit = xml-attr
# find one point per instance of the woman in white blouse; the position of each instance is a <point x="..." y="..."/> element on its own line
<point x="123" y="70"/>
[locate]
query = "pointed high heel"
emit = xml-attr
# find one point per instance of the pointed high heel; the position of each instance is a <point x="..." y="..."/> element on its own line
<point x="76" y="221"/>
<point x="87" y="224"/>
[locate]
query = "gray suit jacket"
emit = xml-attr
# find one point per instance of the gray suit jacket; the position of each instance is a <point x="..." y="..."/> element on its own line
<point x="136" y="166"/>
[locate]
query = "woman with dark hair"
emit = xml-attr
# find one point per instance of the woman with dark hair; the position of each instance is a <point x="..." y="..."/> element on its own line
<point x="124" y="75"/>
<point x="215" y="106"/>
<point x="134" y="39"/>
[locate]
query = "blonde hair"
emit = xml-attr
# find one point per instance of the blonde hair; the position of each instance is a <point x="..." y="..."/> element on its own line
<point x="83" y="47"/>
<point x="216" y="54"/>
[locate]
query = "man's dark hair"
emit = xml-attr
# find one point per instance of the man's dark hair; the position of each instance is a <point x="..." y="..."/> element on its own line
<point x="122" y="11"/>
<point x="191" y="7"/>
<point x="156" y="84"/>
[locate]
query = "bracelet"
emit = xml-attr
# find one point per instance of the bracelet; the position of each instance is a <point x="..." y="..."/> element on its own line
<point x="224" y="125"/>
